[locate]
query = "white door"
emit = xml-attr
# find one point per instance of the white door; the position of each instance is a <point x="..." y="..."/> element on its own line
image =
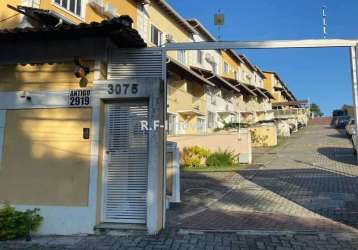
<point x="125" y="163"/>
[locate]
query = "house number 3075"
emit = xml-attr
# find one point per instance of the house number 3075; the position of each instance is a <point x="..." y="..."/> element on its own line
<point x="123" y="89"/>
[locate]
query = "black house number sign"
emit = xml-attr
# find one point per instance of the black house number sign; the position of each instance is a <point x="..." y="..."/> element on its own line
<point x="79" y="97"/>
<point x="123" y="89"/>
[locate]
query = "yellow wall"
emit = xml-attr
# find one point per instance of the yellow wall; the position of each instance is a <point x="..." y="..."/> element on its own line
<point x="167" y="25"/>
<point x="124" y="7"/>
<point x="40" y="77"/>
<point x="266" y="136"/>
<point x="185" y="95"/>
<point x="268" y="82"/>
<point x="233" y="65"/>
<point x="45" y="159"/>
<point x="5" y="12"/>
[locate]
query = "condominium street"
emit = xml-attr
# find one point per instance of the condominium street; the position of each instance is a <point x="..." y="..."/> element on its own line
<point x="308" y="183"/>
<point x="302" y="195"/>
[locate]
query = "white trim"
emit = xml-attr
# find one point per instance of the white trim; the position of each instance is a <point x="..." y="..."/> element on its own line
<point x="2" y="128"/>
<point x="81" y="17"/>
<point x="104" y="163"/>
<point x="39" y="99"/>
<point x="274" y="44"/>
<point x="92" y="195"/>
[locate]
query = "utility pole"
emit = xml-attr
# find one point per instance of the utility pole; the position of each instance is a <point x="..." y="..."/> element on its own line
<point x="219" y="20"/>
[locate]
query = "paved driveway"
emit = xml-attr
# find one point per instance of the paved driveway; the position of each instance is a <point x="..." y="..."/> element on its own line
<point x="307" y="184"/>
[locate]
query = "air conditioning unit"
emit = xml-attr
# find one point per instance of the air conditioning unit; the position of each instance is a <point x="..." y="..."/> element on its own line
<point x="169" y="38"/>
<point x="210" y="58"/>
<point x="110" y="11"/>
<point x="97" y="5"/>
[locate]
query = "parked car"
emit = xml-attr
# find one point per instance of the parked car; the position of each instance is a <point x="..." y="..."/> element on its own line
<point x="300" y="125"/>
<point x="350" y="127"/>
<point x="342" y="121"/>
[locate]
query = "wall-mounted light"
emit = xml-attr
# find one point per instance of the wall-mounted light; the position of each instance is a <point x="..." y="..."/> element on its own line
<point x="81" y="71"/>
<point x="25" y="95"/>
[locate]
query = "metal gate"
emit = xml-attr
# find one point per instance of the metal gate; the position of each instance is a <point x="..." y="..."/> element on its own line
<point x="125" y="163"/>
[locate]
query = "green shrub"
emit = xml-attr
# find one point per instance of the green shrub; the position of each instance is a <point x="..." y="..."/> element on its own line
<point x="15" y="224"/>
<point x="224" y="158"/>
<point x="235" y="125"/>
<point x="194" y="156"/>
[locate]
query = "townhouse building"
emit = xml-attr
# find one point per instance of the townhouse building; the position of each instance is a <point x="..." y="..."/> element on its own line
<point x="70" y="155"/>
<point x="274" y="84"/>
<point x="290" y="113"/>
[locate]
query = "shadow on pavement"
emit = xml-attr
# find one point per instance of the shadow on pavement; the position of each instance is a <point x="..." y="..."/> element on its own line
<point x="332" y="194"/>
<point x="209" y="203"/>
<point x="339" y="154"/>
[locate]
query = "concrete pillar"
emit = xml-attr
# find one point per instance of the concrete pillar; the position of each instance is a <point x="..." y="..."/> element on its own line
<point x="354" y="63"/>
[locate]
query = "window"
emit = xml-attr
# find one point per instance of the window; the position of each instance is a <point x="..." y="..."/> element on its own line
<point x="75" y="6"/>
<point x="200" y="56"/>
<point x="226" y="67"/>
<point x="156" y="36"/>
<point x="182" y="56"/>
<point x="211" y="119"/>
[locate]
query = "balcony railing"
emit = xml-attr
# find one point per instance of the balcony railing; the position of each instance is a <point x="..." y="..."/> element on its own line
<point x="181" y="100"/>
<point x="290" y="112"/>
<point x="223" y="105"/>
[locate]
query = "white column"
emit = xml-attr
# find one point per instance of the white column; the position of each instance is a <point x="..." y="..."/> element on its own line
<point x="354" y="62"/>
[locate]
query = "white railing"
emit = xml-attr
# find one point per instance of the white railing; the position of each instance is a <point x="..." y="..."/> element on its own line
<point x="290" y="112"/>
<point x="223" y="105"/>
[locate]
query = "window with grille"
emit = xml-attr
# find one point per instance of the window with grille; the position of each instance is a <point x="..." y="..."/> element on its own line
<point x="74" y="6"/>
<point x="226" y="67"/>
<point x="156" y="36"/>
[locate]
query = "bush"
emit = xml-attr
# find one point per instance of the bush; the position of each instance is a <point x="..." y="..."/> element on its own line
<point x="224" y="158"/>
<point x="235" y="125"/>
<point x="15" y="224"/>
<point x="194" y="156"/>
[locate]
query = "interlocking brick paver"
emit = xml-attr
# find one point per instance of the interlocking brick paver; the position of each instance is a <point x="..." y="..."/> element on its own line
<point x="308" y="183"/>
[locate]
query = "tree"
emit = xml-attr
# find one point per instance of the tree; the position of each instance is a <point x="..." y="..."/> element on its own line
<point x="316" y="110"/>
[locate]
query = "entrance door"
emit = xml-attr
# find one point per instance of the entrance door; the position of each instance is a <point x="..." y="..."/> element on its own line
<point x="125" y="163"/>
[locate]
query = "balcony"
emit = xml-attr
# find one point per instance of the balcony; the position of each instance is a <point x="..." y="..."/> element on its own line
<point x="183" y="102"/>
<point x="283" y="113"/>
<point x="224" y="106"/>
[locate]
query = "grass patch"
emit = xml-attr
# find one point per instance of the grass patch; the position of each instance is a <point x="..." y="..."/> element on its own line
<point x="212" y="168"/>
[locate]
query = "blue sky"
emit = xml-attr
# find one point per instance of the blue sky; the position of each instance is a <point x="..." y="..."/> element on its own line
<point x="323" y="75"/>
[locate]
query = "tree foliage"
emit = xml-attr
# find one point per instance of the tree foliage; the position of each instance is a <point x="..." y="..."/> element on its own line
<point x="316" y="110"/>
